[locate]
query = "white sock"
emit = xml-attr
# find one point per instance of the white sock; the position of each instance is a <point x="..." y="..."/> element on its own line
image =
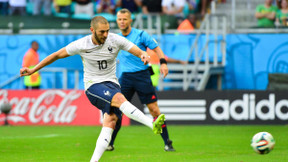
<point x="102" y="143"/>
<point x="134" y="113"/>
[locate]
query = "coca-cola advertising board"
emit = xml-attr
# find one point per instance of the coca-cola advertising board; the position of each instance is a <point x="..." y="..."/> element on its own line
<point x="50" y="107"/>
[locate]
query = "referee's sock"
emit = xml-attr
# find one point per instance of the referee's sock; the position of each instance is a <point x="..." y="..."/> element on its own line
<point x="134" y="113"/>
<point x="164" y="134"/>
<point x="102" y="143"/>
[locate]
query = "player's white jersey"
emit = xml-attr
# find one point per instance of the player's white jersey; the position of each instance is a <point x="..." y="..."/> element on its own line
<point x="99" y="61"/>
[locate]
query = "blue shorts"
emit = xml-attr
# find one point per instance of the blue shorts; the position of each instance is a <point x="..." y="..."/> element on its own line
<point x="100" y="95"/>
<point x="139" y="82"/>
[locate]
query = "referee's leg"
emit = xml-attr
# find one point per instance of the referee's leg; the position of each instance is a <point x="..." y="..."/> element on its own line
<point x="155" y="112"/>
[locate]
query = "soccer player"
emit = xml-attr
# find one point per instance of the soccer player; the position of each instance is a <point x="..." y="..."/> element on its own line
<point x="98" y="52"/>
<point x="136" y="76"/>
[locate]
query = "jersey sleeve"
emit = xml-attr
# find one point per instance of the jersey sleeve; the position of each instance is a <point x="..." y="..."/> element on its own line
<point x="124" y="44"/>
<point x="72" y="48"/>
<point x="148" y="40"/>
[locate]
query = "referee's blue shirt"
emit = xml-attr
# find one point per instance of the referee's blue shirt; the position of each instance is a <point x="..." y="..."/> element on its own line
<point x="129" y="62"/>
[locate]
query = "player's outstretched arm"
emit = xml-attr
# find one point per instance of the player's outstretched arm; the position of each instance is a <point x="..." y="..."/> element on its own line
<point x="62" y="53"/>
<point x="141" y="54"/>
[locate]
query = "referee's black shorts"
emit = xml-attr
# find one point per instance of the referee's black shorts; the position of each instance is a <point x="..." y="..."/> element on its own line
<point x="139" y="82"/>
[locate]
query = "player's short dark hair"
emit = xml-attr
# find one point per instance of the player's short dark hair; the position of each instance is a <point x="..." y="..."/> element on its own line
<point x="98" y="19"/>
<point x="124" y="10"/>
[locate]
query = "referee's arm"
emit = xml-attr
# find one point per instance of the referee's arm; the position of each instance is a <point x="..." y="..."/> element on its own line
<point x="163" y="64"/>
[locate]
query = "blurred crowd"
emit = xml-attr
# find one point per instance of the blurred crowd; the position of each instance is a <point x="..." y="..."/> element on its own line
<point x="188" y="13"/>
<point x="181" y="9"/>
<point x="272" y="13"/>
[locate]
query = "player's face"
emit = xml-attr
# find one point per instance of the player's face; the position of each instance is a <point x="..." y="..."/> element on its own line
<point x="101" y="33"/>
<point x="123" y="21"/>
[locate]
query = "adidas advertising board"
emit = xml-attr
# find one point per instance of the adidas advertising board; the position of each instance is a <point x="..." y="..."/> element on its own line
<point x="223" y="107"/>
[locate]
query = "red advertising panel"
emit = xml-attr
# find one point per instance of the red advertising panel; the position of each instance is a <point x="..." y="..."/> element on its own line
<point x="50" y="107"/>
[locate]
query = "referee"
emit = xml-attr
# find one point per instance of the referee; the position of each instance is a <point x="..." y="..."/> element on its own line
<point x="135" y="75"/>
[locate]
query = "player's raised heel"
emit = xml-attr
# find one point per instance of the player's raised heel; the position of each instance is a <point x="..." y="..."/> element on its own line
<point x="157" y="124"/>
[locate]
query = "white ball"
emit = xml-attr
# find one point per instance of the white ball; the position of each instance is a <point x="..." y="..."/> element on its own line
<point x="263" y="142"/>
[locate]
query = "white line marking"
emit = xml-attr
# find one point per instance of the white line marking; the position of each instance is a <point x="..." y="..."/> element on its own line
<point x="176" y="110"/>
<point x="182" y="103"/>
<point x="192" y="117"/>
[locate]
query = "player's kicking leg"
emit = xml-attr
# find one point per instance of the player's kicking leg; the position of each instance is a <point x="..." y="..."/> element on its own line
<point x="134" y="113"/>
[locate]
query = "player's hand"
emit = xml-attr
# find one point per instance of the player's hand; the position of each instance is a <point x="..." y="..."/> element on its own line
<point x="25" y="71"/>
<point x="145" y="58"/>
<point x="164" y="70"/>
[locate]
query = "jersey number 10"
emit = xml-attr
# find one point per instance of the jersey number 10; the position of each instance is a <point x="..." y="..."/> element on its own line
<point x="102" y="64"/>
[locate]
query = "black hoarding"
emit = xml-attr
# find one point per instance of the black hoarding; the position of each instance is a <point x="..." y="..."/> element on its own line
<point x="222" y="107"/>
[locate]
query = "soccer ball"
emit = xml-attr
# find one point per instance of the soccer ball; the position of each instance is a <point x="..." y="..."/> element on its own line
<point x="263" y="142"/>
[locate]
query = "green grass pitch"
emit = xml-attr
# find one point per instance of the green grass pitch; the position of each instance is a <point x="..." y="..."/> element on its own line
<point x="138" y="144"/>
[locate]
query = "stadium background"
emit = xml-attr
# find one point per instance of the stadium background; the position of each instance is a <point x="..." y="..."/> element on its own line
<point x="250" y="57"/>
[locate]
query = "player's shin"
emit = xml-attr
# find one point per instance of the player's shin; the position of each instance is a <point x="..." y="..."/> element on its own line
<point x="102" y="143"/>
<point x="134" y="113"/>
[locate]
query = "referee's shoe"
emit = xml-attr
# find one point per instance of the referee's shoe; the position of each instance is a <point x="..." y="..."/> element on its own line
<point x="169" y="146"/>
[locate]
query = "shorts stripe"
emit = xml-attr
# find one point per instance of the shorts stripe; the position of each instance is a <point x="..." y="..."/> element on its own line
<point x="98" y="97"/>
